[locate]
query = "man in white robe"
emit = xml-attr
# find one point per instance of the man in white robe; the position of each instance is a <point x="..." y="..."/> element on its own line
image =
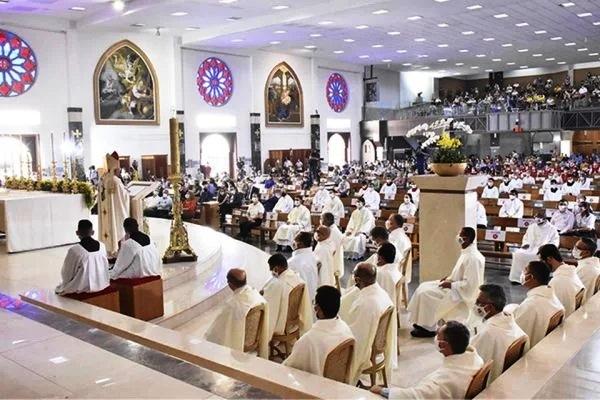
<point x="284" y="204"/>
<point x="311" y="350"/>
<point x="277" y="293"/>
<point x="452" y="379"/>
<point x="229" y="327"/>
<point x="335" y="241"/>
<point x="398" y="237"/>
<point x="372" y="198"/>
<point x="538" y="234"/>
<point x="565" y="282"/>
<point x="360" y="224"/>
<point x="389" y="189"/>
<point x="320" y="199"/>
<point x="388" y="273"/>
<point x="513" y="207"/>
<point x="452" y="297"/>
<point x="324" y="252"/>
<point x="481" y="216"/>
<point x="113" y="205"/>
<point x="305" y="263"/>
<point x="85" y="268"/>
<point x="298" y="220"/>
<point x="361" y="308"/>
<point x="498" y="330"/>
<point x="588" y="266"/>
<point x="138" y="257"/>
<point x="335" y="206"/>
<point x="563" y="219"/>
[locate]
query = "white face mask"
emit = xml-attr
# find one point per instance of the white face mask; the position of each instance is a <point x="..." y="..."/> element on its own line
<point x="479" y="311"/>
<point x="576" y="253"/>
<point x="297" y="204"/>
<point x="562" y="208"/>
<point x="436" y="343"/>
<point x="254" y="200"/>
<point x="540" y="221"/>
<point x="387" y="225"/>
<point x="512" y="196"/>
<point x="460" y="240"/>
<point x="359" y="206"/>
<point x="522" y="279"/>
<point x="406" y="201"/>
<point x="294" y="246"/>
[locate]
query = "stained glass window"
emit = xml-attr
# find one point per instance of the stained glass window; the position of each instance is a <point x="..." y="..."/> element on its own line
<point x="337" y="92"/>
<point x="18" y="65"/>
<point x="215" y="81"/>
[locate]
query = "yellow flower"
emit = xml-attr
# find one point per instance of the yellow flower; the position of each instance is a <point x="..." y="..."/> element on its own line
<point x="446" y="142"/>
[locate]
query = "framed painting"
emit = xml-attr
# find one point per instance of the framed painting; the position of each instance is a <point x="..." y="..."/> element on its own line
<point x="125" y="87"/>
<point x="284" y="101"/>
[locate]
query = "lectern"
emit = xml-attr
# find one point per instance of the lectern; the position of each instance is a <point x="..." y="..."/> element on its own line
<point x="138" y="191"/>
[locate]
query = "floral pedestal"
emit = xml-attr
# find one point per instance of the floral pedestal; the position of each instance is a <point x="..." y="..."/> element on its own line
<point x="448" y="169"/>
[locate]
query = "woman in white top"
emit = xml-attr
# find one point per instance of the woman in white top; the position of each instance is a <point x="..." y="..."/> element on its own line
<point x="408" y="208"/>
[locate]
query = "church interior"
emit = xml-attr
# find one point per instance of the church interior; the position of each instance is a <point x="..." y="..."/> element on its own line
<point x="265" y="199"/>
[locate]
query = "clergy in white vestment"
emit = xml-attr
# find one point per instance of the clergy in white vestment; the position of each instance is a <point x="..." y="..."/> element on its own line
<point x="388" y="273"/>
<point x="415" y="193"/>
<point x="372" y="198"/>
<point x="513" y="207"/>
<point x="481" y="216"/>
<point x="451" y="297"/>
<point x="571" y="187"/>
<point x="324" y="252"/>
<point x="554" y="193"/>
<point x="361" y="309"/>
<point x="311" y="350"/>
<point x="398" y="238"/>
<point x="277" y="293"/>
<point x="284" y="204"/>
<point x="565" y="281"/>
<point x="335" y="206"/>
<point x="452" y="379"/>
<point x="379" y="235"/>
<point x="490" y="191"/>
<point x="113" y="205"/>
<point x="138" y="257"/>
<point x="229" y="327"/>
<point x="534" y="313"/>
<point x="528" y="179"/>
<point x="298" y="220"/>
<point x="335" y="240"/>
<point x="563" y="219"/>
<point x="321" y="197"/>
<point x="360" y="224"/>
<point x="304" y="262"/>
<point x="498" y="330"/>
<point x="85" y="268"/>
<point x="538" y="234"/>
<point x="588" y="266"/>
<point x="408" y="208"/>
<point x="507" y="185"/>
<point x="388" y="189"/>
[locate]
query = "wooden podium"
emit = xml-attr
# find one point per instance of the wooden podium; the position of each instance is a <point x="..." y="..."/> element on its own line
<point x="138" y="191"/>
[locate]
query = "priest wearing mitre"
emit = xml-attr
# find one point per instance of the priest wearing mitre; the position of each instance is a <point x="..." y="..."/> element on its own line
<point x="229" y="328"/>
<point x="113" y="205"/>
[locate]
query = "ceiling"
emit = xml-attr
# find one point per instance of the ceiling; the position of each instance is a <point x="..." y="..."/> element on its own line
<point x="499" y="35"/>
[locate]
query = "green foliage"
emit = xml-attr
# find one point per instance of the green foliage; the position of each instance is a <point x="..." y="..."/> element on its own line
<point x="448" y="156"/>
<point x="62" y="186"/>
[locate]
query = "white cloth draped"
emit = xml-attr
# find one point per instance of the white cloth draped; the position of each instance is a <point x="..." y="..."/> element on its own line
<point x="588" y="270"/>
<point x="535" y="236"/>
<point x="136" y="261"/>
<point x="566" y="285"/>
<point x="360" y="224"/>
<point x="324" y="253"/>
<point x="335" y="238"/>
<point x="534" y="313"/>
<point x="83" y="271"/>
<point x="298" y="220"/>
<point x="305" y="264"/>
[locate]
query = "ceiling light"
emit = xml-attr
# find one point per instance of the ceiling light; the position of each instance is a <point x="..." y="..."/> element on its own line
<point x="467" y="32"/>
<point x="425" y="68"/>
<point x="456" y="73"/>
<point x="233" y="19"/>
<point x="279" y="32"/>
<point x="310" y="46"/>
<point x="377" y="46"/>
<point x="363" y="56"/>
<point x="138" y="25"/>
<point x="474" y="7"/>
<point x="387" y="60"/>
<point x="510" y="63"/>
<point x="193" y="28"/>
<point x="567" y="4"/>
<point x="537" y="55"/>
<point x="443" y="25"/>
<point x="489" y="70"/>
<point x="393" y="33"/>
<point x="523" y="66"/>
<point x="407" y="64"/>
<point x="325" y="22"/>
<point x="500" y="15"/>
<point x="414" y="18"/>
<point x="227" y="1"/>
<point x="593" y="54"/>
<point x="523" y="50"/>
<point x="77" y="8"/>
<point x="522" y="24"/>
<point x="583" y="15"/>
<point x="440" y="1"/>
<point x="570" y="44"/>
<point x="507" y="45"/>
<point x="556" y="38"/>
<point x="442" y="45"/>
<point x="400" y="51"/>
<point x="315" y="35"/>
<point x="474" y="67"/>
<point x="596" y="23"/>
<point x="422" y="56"/>
<point x="583" y="49"/>
<point x="380" y="12"/>
<point x="339" y="52"/>
<point x="442" y="60"/>
<point x="280" y="7"/>
<point x="349" y="40"/>
<point x="463" y="51"/>
<point x="561" y="62"/>
<point x="459" y="64"/>
<point x="361" y="26"/>
<point x="237" y="40"/>
<point x="496" y="59"/>
<point x="540" y="32"/>
<point x="480" y="55"/>
<point x="550" y="59"/>
<point x="420" y="39"/>
<point x="275" y="42"/>
<point x="179" y="14"/>
<point x="488" y="39"/>
<point x="118" y="5"/>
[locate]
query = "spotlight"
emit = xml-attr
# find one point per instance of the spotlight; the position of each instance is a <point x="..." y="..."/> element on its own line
<point x="118" y="5"/>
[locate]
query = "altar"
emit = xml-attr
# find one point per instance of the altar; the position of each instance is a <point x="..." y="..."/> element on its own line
<point x="36" y="220"/>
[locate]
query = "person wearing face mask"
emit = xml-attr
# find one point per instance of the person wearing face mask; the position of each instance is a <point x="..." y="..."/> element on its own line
<point x="335" y="242"/>
<point x="229" y="327"/>
<point x="415" y="193"/>
<point x="452" y="379"/>
<point x="164" y="206"/>
<point x="565" y="281"/>
<point x="255" y="215"/>
<point x="277" y="293"/>
<point x="361" y="308"/>
<point x="324" y="252"/>
<point x="517" y="182"/>
<point x="451" y="297"/>
<point x="407" y="208"/>
<point x="284" y="204"/>
<point x="588" y="266"/>
<point x="311" y="351"/>
<point x="335" y="206"/>
<point x="389" y="189"/>
<point x="498" y="330"/>
<point x="507" y="185"/>
<point x="490" y="191"/>
<point x="554" y="193"/>
<point x="150" y="204"/>
<point x="528" y="179"/>
<point x="388" y="273"/>
<point x="360" y="224"/>
<point x="298" y="220"/>
<point x="363" y="189"/>
<point x="398" y="237"/>
<point x="538" y="234"/>
<point x="563" y="219"/>
<point x="372" y="198"/>
<point x="321" y="197"/>
<point x="513" y="207"/>
<point x="585" y="220"/>
<point x="304" y="262"/>
<point x="343" y="187"/>
<point x="571" y="187"/>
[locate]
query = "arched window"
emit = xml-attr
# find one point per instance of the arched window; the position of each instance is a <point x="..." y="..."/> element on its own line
<point x="215" y="153"/>
<point x="368" y="151"/>
<point x="336" y="150"/>
<point x="14" y="157"/>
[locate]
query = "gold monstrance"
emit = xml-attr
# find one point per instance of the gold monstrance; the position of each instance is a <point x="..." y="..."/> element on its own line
<point x="179" y="246"/>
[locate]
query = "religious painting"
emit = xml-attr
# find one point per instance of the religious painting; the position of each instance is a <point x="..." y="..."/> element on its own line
<point x="18" y="65"/>
<point x="284" y="102"/>
<point x="125" y="87"/>
<point x="371" y="91"/>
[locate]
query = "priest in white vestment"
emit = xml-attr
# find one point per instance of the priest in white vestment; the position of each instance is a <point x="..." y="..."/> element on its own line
<point x="588" y="266"/>
<point x="335" y="206"/>
<point x="277" y="293"/>
<point x="298" y="220"/>
<point x="305" y="263"/>
<point x="372" y="198"/>
<point x="565" y="281"/>
<point x="388" y="273"/>
<point x="320" y="199"/>
<point x="498" y="330"/>
<point x="324" y="252"/>
<point x="335" y="241"/>
<point x="538" y="234"/>
<point x="311" y="350"/>
<point x="138" y="257"/>
<point x="361" y="309"/>
<point x="85" y="268"/>
<point x="229" y="327"/>
<point x="360" y="224"/>
<point x="452" y="379"/>
<point x="113" y="205"/>
<point x="452" y="297"/>
<point x="284" y="204"/>
<point x="513" y="207"/>
<point x="563" y="219"/>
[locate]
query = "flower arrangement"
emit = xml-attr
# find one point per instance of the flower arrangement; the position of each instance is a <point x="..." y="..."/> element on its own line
<point x="62" y="186"/>
<point x="448" y="148"/>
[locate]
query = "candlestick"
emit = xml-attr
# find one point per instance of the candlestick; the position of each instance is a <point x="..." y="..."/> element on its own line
<point x="52" y="144"/>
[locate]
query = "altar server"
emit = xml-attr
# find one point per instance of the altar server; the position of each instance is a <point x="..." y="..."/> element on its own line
<point x="451" y="297"/>
<point x="298" y="220"/>
<point x="320" y="199"/>
<point x="408" y="208"/>
<point x="304" y="262"/>
<point x="415" y="193"/>
<point x="85" y="269"/>
<point x="229" y="327"/>
<point x="554" y="193"/>
<point x="563" y="219"/>
<point x="490" y="191"/>
<point x="335" y="239"/>
<point x="388" y="273"/>
<point x="324" y="252"/>
<point x="513" y="207"/>
<point x="335" y="206"/>
<point x="588" y="266"/>
<point x="372" y="198"/>
<point x="361" y="309"/>
<point x="277" y="293"/>
<point x="498" y="330"/>
<point x="538" y="234"/>
<point x="311" y="350"/>
<point x="565" y="282"/>
<point x="360" y="224"/>
<point x="138" y="257"/>
<point x="284" y="204"/>
<point x="534" y="313"/>
<point x="389" y="189"/>
<point x="452" y="379"/>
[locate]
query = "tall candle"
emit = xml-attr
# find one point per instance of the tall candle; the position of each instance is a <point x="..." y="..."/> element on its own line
<point x="52" y="144"/>
<point x="174" y="141"/>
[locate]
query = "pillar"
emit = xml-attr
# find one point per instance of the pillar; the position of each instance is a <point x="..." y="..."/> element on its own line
<point x="315" y="133"/>
<point x="446" y="204"/>
<point x="255" y="135"/>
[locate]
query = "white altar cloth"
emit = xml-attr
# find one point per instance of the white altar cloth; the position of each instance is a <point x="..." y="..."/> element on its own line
<point x="36" y="220"/>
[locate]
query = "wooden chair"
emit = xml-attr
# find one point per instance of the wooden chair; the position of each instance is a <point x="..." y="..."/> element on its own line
<point x="514" y="352"/>
<point x="402" y="285"/>
<point x="555" y="321"/>
<point x="292" y="326"/>
<point x="378" y="348"/>
<point x="339" y="361"/>
<point x="597" y="285"/>
<point x="579" y="298"/>
<point x="253" y="328"/>
<point x="479" y="381"/>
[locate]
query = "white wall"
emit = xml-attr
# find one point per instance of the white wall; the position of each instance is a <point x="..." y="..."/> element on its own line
<point x="413" y="82"/>
<point x="389" y="88"/>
